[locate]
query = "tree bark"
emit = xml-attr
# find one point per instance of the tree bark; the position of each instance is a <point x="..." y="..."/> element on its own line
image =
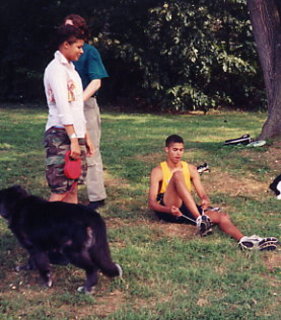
<point x="266" y="23"/>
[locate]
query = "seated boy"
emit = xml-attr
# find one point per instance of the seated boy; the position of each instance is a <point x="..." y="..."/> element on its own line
<point x="170" y="197"/>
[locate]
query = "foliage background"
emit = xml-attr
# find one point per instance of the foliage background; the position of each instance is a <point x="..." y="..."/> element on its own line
<point x="162" y="55"/>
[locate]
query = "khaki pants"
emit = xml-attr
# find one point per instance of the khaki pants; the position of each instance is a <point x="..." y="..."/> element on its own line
<point x="94" y="180"/>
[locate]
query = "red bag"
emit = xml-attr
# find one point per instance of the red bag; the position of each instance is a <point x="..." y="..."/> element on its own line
<point x="72" y="168"/>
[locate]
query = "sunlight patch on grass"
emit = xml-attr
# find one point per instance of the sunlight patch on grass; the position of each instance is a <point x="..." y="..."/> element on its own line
<point x="6" y="146"/>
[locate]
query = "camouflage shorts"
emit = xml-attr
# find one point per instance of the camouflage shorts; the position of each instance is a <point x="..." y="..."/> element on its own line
<point x="57" y="143"/>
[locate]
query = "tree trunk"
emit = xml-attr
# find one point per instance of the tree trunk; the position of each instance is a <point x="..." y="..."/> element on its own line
<point x="266" y="23"/>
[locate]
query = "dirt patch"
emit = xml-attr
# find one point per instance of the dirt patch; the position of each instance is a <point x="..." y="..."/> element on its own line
<point x="113" y="182"/>
<point x="154" y="158"/>
<point x="233" y="186"/>
<point x="29" y="289"/>
<point x="116" y="223"/>
<point x="161" y="228"/>
<point x="172" y="230"/>
<point x="202" y="302"/>
<point x="273" y="261"/>
<point x="270" y="158"/>
<point x="152" y="302"/>
<point x="102" y="307"/>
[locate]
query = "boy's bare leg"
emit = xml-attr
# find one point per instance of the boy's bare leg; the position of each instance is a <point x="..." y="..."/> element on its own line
<point x="225" y="224"/>
<point x="177" y="193"/>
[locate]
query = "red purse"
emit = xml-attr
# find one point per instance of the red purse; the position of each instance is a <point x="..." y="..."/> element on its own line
<point x="72" y="167"/>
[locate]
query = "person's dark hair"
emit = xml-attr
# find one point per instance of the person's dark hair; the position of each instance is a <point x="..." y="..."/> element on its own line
<point x="67" y="33"/>
<point x="174" y="138"/>
<point x="78" y="22"/>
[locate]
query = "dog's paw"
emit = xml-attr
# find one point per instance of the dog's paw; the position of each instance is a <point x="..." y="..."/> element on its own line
<point x="49" y="283"/>
<point x="84" y="290"/>
<point x="18" y="268"/>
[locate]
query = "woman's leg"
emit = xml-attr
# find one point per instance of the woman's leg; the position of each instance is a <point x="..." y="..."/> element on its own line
<point x="70" y="196"/>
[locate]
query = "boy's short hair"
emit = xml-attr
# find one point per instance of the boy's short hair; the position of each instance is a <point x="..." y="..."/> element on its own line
<point x="67" y="33"/>
<point x="78" y="22"/>
<point x="174" y="138"/>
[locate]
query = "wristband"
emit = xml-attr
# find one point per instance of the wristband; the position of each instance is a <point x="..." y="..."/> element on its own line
<point x="72" y="136"/>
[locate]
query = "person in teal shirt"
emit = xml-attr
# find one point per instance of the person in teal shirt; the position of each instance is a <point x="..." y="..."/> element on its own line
<point x="90" y="66"/>
<point x="91" y="70"/>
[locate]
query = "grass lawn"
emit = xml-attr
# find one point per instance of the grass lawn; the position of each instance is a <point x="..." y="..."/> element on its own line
<point x="169" y="272"/>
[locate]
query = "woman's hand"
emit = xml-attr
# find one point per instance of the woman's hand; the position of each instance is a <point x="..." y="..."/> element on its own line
<point x="74" y="149"/>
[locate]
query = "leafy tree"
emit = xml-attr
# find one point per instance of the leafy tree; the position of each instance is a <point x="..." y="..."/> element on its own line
<point x="183" y="55"/>
<point x="169" y="55"/>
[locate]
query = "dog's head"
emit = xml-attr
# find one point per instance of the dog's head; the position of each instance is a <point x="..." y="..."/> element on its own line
<point x="9" y="198"/>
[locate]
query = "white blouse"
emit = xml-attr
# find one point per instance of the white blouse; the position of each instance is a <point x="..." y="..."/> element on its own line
<point x="64" y="93"/>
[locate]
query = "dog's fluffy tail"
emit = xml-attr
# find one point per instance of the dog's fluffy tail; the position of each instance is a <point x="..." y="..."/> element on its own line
<point x="100" y="253"/>
<point x="102" y="258"/>
<point x="112" y="270"/>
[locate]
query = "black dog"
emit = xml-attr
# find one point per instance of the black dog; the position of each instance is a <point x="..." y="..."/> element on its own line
<point x="75" y="231"/>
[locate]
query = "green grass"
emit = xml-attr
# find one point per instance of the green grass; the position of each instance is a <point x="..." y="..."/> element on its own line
<point x="168" y="275"/>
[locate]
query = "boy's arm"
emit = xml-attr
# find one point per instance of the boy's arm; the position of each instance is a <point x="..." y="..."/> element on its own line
<point x="196" y="181"/>
<point x="95" y="71"/>
<point x="91" y="89"/>
<point x="156" y="177"/>
<point x="89" y="144"/>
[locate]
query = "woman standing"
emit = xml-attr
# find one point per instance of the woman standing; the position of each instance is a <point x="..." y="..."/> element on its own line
<point x="66" y="125"/>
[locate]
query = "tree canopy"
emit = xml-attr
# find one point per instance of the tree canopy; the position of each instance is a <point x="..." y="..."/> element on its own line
<point x="171" y="55"/>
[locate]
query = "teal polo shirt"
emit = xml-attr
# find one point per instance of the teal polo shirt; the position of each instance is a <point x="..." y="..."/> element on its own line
<point x="90" y="65"/>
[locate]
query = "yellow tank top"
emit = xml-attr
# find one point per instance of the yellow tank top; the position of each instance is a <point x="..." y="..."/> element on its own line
<point x="167" y="176"/>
